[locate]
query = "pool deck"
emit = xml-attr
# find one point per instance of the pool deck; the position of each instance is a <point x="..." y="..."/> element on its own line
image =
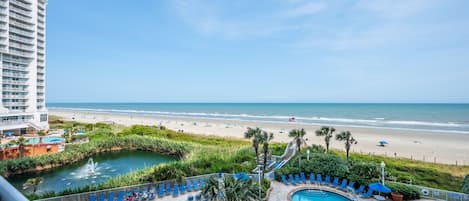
<point x="282" y="192"/>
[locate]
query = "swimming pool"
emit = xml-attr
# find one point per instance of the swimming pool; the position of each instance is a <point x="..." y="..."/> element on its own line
<point x="45" y="140"/>
<point x="317" y="195"/>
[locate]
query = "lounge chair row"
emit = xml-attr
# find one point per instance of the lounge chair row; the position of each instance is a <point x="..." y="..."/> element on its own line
<point x="121" y="195"/>
<point x="318" y="179"/>
<point x="164" y="189"/>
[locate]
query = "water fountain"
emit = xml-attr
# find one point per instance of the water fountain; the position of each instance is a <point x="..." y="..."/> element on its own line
<point x="91" y="167"/>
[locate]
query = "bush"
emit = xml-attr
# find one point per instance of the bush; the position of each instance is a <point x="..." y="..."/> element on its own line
<point x="409" y="193"/>
<point x="363" y="172"/>
<point x="319" y="163"/>
<point x="465" y="185"/>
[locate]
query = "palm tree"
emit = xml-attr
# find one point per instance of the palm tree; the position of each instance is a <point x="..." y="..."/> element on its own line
<point x="255" y="135"/>
<point x="33" y="183"/>
<point x="20" y="142"/>
<point x="298" y="135"/>
<point x="41" y="134"/>
<point x="346" y="137"/>
<point x="327" y="133"/>
<point x="265" y="139"/>
<point x="230" y="189"/>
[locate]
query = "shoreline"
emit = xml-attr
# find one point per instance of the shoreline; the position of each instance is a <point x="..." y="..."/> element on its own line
<point x="439" y="147"/>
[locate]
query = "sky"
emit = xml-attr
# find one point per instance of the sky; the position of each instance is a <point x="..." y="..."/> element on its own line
<point x="257" y="51"/>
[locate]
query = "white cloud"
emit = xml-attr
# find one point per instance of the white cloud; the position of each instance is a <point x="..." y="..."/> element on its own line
<point x="305" y="10"/>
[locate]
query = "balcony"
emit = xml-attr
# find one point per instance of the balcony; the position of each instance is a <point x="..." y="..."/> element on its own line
<point x="22" y="47"/>
<point x="21" y="4"/>
<point x="20" y="61"/>
<point x="15" y="82"/>
<point x="8" y="104"/>
<point x="21" y="18"/>
<point x="15" y="75"/>
<point x="19" y="10"/>
<point x="13" y="89"/>
<point x="29" y="34"/>
<point x="20" y="53"/>
<point x="17" y="68"/>
<point x="22" y="97"/>
<point x="22" y="39"/>
<point x="41" y="84"/>
<point x="29" y="27"/>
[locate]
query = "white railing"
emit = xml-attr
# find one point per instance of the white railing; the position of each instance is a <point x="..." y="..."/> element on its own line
<point x="14" y="96"/>
<point x="20" y="46"/>
<point x="21" y="4"/>
<point x="21" y="53"/>
<point x="20" y="75"/>
<point x="20" y="17"/>
<point x="14" y="104"/>
<point x="21" y="39"/>
<point x="18" y="68"/>
<point x="14" y="89"/>
<point x="21" y="32"/>
<point x="22" y="25"/>
<point x="438" y="194"/>
<point x="14" y="82"/>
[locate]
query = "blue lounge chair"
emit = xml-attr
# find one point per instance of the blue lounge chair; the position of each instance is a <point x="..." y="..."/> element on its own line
<point x="161" y="190"/>
<point x="284" y="180"/>
<point x="367" y="194"/>
<point x="360" y="189"/>
<point x="176" y="190"/>
<point x="101" y="197"/>
<point x="196" y="184"/>
<point x="303" y="177"/>
<point x="343" y="185"/>
<point x="335" y="182"/>
<point x="319" y="179"/>
<point x="168" y="188"/>
<point x="190" y="198"/>
<point x="120" y="196"/>
<point x="202" y="182"/>
<point x="351" y="184"/>
<point x="311" y="178"/>
<point x="291" y="180"/>
<point x="93" y="197"/>
<point x="297" y="178"/>
<point x="183" y="188"/>
<point x="328" y="180"/>
<point x="198" y="197"/>
<point x="189" y="185"/>
<point x="110" y="196"/>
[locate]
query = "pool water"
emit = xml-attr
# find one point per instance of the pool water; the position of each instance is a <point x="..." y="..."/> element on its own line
<point x="45" y="140"/>
<point x="316" y="195"/>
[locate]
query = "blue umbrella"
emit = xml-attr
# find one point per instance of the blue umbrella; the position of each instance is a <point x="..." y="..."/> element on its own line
<point x="382" y="142"/>
<point x="379" y="187"/>
<point x="9" y="133"/>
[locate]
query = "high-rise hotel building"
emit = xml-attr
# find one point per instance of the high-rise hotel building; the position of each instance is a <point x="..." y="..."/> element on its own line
<point x="22" y="65"/>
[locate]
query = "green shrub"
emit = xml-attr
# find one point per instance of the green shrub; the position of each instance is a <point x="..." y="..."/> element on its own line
<point x="409" y="193"/>
<point x="363" y="172"/>
<point x="465" y="185"/>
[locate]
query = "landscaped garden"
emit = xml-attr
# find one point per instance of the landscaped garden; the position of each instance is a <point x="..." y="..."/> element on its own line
<point x="198" y="155"/>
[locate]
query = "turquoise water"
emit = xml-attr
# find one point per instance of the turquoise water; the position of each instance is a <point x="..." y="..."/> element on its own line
<point x="429" y="117"/>
<point x="45" y="140"/>
<point x="76" y="175"/>
<point x="315" y="195"/>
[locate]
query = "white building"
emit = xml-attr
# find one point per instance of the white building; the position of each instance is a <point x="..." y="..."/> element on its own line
<point x="22" y="65"/>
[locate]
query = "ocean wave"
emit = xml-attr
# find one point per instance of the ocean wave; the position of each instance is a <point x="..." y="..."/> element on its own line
<point x="377" y="122"/>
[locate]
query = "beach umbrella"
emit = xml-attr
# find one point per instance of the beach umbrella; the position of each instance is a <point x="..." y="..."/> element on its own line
<point x="379" y="187"/>
<point x="9" y="133"/>
<point x="382" y="142"/>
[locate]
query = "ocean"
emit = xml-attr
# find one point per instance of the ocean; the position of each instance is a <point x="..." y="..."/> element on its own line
<point x="452" y="118"/>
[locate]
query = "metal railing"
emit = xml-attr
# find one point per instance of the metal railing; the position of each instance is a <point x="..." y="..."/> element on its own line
<point x="8" y="192"/>
<point x="438" y="194"/>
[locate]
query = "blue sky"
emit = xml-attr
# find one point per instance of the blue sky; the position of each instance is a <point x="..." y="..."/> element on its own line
<point x="257" y="51"/>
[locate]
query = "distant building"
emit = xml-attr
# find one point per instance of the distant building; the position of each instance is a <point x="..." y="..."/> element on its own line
<point x="22" y="66"/>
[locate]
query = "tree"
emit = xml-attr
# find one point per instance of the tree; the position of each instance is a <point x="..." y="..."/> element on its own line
<point x="41" y="134"/>
<point x="348" y="140"/>
<point x="33" y="183"/>
<point x="255" y="135"/>
<point x="327" y="133"/>
<point x="265" y="140"/>
<point x="297" y="135"/>
<point x="230" y="189"/>
<point x="20" y="142"/>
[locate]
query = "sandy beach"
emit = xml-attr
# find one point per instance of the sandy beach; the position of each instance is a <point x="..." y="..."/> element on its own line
<point x="449" y="148"/>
